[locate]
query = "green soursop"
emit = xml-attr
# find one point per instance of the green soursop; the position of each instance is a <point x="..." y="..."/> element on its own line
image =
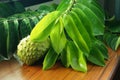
<point x="29" y="52"/>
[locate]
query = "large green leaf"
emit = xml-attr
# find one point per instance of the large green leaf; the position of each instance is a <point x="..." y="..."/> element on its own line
<point x="65" y="57"/>
<point x="97" y="29"/>
<point x="96" y="56"/>
<point x="85" y="20"/>
<point x="63" y="6"/>
<point x="97" y="10"/>
<point x="112" y="40"/>
<point x="42" y="30"/>
<point x="74" y="33"/>
<point x="102" y="48"/>
<point x="97" y="4"/>
<point x="77" y="60"/>
<point x="50" y="59"/>
<point x="81" y="28"/>
<point x="57" y="36"/>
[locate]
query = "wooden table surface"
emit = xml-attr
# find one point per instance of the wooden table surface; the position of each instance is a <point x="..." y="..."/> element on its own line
<point x="12" y="70"/>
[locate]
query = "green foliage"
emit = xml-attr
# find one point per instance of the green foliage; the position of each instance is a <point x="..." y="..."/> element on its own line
<point x="15" y="27"/>
<point x="3" y="39"/>
<point x="50" y="59"/>
<point x="72" y="28"/>
<point x="112" y="40"/>
<point x="58" y="38"/>
<point x="77" y="59"/>
<point x="112" y="33"/>
<point x="76" y="23"/>
<point x="43" y="32"/>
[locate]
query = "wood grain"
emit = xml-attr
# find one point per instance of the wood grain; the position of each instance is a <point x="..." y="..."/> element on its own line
<point x="12" y="70"/>
<point x="118" y="51"/>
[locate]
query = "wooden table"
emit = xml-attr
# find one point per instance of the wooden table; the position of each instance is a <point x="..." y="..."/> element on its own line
<point x="12" y="70"/>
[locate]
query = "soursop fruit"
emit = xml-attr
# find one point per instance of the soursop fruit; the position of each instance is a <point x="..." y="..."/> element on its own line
<point x="29" y="52"/>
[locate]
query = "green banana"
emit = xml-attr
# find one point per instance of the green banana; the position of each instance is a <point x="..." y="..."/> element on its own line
<point x="96" y="56"/>
<point x="74" y="33"/>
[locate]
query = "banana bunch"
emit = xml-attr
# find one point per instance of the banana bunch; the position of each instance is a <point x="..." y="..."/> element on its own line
<point x="72" y="29"/>
<point x="16" y="27"/>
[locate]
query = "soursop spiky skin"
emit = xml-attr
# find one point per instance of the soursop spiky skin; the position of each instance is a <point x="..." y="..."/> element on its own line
<point x="29" y="52"/>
